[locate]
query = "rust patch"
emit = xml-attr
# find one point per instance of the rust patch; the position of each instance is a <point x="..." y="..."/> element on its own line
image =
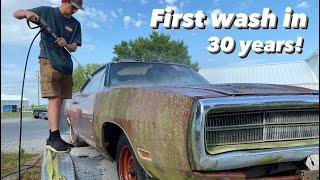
<point x="154" y="120"/>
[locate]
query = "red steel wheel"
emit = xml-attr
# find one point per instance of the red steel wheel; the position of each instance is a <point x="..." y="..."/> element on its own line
<point x="126" y="164"/>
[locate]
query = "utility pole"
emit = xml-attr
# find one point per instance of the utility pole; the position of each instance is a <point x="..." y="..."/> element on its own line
<point x="38" y="75"/>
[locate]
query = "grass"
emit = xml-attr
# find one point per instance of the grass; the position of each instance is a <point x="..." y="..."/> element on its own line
<point x="9" y="115"/>
<point x="9" y="164"/>
<point x="39" y="106"/>
<point x="32" y="173"/>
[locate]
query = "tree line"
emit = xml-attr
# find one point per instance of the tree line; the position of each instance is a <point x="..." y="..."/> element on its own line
<point x="155" y="48"/>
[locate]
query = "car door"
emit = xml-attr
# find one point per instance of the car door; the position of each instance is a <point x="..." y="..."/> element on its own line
<point x="83" y="103"/>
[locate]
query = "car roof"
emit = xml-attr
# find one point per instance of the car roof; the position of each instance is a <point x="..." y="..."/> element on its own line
<point x="152" y="62"/>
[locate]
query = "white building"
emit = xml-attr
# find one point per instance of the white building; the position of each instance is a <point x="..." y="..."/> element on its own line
<point x="302" y="73"/>
<point x="13" y="102"/>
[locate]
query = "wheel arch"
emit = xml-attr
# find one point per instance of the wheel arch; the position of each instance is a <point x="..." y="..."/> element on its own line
<point x="111" y="133"/>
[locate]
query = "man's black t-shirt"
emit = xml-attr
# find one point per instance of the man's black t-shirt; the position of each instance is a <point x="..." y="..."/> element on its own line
<point x="68" y="28"/>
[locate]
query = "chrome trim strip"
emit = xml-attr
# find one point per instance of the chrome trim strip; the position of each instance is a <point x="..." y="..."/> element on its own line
<point x="200" y="160"/>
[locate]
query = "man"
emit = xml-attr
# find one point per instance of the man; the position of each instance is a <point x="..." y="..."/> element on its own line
<point x="55" y="63"/>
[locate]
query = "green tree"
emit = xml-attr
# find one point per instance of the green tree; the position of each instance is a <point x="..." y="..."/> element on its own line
<point x="156" y="48"/>
<point x="78" y="76"/>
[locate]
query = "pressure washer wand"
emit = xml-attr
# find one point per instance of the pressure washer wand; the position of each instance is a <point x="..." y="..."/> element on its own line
<point x="44" y="25"/>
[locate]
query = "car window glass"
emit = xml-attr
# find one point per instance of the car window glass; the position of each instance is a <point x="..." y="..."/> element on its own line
<point x="153" y="74"/>
<point x="102" y="81"/>
<point x="86" y="89"/>
<point x="94" y="84"/>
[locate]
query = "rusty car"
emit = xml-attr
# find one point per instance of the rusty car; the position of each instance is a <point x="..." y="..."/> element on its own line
<point x="165" y="121"/>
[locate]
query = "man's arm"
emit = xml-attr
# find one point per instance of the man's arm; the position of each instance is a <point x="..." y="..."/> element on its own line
<point x="63" y="43"/>
<point x="72" y="47"/>
<point x="23" y="13"/>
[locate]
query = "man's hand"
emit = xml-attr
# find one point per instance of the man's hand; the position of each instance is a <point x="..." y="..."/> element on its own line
<point x="61" y="42"/>
<point x="33" y="17"/>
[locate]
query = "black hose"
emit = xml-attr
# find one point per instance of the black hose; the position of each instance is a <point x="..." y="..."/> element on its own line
<point x="22" y="88"/>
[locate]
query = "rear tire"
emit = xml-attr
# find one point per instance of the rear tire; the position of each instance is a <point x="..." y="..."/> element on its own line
<point x="76" y="140"/>
<point x="128" y="166"/>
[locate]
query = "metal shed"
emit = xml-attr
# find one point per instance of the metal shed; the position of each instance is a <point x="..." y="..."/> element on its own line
<point x="302" y="73"/>
<point x="11" y="103"/>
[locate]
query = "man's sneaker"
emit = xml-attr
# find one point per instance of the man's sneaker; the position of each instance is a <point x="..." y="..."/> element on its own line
<point x="57" y="145"/>
<point x="67" y="144"/>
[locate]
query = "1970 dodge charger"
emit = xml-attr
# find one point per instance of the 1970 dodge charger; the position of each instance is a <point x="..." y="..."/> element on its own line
<point x="165" y="121"/>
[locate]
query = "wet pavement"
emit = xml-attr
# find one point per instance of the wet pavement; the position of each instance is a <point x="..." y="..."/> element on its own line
<point x="91" y="165"/>
<point x="34" y="134"/>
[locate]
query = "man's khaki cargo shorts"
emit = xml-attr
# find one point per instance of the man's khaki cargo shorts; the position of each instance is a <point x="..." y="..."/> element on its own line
<point x="53" y="82"/>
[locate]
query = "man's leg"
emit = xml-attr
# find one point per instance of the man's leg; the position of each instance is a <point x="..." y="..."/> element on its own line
<point x="53" y="113"/>
<point x="54" y="119"/>
<point x="55" y="142"/>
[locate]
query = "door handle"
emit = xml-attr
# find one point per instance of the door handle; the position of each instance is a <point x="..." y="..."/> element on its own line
<point x="75" y="102"/>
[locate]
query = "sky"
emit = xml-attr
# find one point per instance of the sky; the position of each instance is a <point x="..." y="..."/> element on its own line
<point x="106" y="23"/>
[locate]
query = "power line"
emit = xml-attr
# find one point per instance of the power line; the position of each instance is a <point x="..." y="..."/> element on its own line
<point x="17" y="82"/>
<point x="19" y="70"/>
<point x="14" y="86"/>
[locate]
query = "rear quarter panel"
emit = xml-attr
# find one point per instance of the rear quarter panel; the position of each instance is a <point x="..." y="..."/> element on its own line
<point x="156" y="121"/>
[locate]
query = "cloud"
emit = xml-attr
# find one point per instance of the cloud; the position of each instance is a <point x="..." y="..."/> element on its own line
<point x="182" y="3"/>
<point x="304" y="4"/>
<point x="93" y="25"/>
<point x="216" y="11"/>
<point x="113" y="14"/>
<point x="170" y="2"/>
<point x="92" y="13"/>
<point x="15" y="31"/>
<point x="126" y="21"/>
<point x="92" y="17"/>
<point x="11" y="82"/>
<point x="89" y="47"/>
<point x="244" y="5"/>
<point x="175" y="8"/>
<point x="141" y="15"/>
<point x="138" y="23"/>
<point x="116" y="13"/>
<point x="143" y="2"/>
<point x="134" y="21"/>
<point x="120" y="10"/>
<point x="55" y="2"/>
<point x="247" y="62"/>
